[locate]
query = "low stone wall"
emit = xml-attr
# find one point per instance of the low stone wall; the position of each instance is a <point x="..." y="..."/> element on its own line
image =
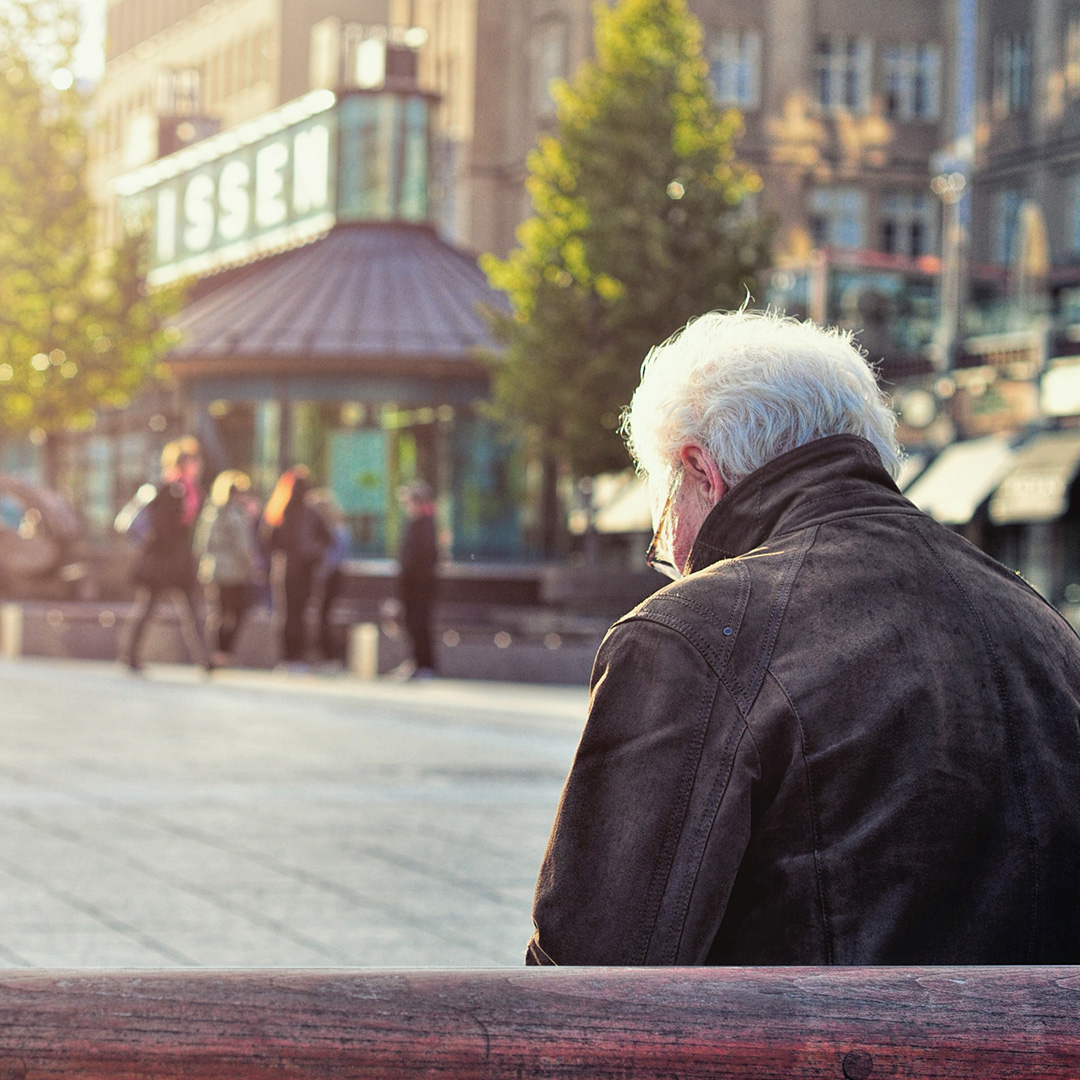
<point x="522" y="649"/>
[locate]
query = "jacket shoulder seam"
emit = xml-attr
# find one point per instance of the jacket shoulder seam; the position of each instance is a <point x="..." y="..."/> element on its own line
<point x="717" y="664"/>
<point x="1010" y="734"/>
<point x="654" y="898"/>
<point x="720" y="787"/>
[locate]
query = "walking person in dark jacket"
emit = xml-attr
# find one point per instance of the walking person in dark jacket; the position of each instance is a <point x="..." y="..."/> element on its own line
<point x="843" y="734"/>
<point x="299" y="537"/>
<point x="417" y="578"/>
<point x="330" y="574"/>
<point x="166" y="564"/>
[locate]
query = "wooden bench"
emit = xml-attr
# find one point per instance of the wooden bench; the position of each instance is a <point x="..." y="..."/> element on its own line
<point x="632" y="1024"/>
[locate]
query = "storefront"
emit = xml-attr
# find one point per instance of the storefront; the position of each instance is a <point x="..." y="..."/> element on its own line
<point x="1036" y="517"/>
<point x="329" y="325"/>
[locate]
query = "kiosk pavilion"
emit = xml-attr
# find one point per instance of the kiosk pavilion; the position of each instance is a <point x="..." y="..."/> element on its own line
<point x="327" y="323"/>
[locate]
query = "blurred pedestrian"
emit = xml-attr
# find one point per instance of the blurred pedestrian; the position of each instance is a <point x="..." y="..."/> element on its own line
<point x="228" y="555"/>
<point x="328" y="575"/>
<point x="260" y="572"/>
<point x="166" y="564"/>
<point x="417" y="578"/>
<point x="298" y="537"/>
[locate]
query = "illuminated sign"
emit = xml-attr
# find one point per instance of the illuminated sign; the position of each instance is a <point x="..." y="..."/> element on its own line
<point x="282" y="180"/>
<point x="261" y="186"/>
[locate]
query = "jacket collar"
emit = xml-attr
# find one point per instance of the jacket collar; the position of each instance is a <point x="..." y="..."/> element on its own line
<point x="798" y="489"/>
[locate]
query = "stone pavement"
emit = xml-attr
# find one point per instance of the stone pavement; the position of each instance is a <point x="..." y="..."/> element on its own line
<point x="257" y="819"/>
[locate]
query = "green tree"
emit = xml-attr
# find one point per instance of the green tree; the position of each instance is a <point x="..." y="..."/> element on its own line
<point x="77" y="328"/>
<point x="637" y="227"/>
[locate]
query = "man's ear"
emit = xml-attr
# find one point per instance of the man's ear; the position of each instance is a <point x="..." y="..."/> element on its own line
<point x="700" y="468"/>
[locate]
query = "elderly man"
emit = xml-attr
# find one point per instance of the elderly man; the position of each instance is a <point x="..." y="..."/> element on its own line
<point x="843" y="735"/>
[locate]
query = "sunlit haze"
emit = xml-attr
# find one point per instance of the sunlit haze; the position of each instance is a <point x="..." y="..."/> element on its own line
<point x="90" y="58"/>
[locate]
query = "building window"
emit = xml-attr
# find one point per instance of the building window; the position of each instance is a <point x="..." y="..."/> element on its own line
<point x="1074" y="215"/>
<point x="912" y="82"/>
<point x="907" y="223"/>
<point x="113" y="33"/>
<point x="1006" y="220"/>
<point x="1072" y="52"/>
<point x="228" y="77"/>
<point x="837" y="216"/>
<point x="247" y="62"/>
<point x="550" y="64"/>
<point x="1012" y="74"/>
<point x="178" y="92"/>
<point x="734" y="67"/>
<point x="842" y="70"/>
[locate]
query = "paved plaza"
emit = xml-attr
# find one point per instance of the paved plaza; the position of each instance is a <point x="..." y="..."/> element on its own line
<point x="261" y="819"/>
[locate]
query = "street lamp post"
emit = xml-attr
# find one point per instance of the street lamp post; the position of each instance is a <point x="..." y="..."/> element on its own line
<point x="949" y="187"/>
<point x="951" y="168"/>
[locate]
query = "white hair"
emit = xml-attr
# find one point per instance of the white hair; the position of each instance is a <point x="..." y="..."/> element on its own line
<point x="750" y="386"/>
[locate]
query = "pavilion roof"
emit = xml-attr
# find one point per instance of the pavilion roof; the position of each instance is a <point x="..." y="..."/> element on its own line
<point x="383" y="294"/>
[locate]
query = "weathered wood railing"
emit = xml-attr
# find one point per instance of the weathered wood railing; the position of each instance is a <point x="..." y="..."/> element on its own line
<point x="633" y="1024"/>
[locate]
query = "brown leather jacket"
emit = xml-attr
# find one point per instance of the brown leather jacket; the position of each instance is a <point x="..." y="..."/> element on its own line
<point x="847" y="737"/>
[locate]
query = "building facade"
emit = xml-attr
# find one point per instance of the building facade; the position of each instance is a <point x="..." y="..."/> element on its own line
<point x="1011" y="399"/>
<point x="844" y="104"/>
<point x="177" y="70"/>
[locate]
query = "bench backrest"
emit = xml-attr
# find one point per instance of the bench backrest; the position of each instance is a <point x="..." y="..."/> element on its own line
<point x="644" y="1024"/>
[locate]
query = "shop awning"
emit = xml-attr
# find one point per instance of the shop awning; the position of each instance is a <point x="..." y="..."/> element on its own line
<point x="960" y="478"/>
<point x="623" y="503"/>
<point x="383" y="294"/>
<point x="1036" y="488"/>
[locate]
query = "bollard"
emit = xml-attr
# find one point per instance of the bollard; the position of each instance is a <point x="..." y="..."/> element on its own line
<point x="364" y="650"/>
<point x="11" y="631"/>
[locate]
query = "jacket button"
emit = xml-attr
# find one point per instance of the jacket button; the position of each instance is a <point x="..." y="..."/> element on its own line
<point x="728" y="631"/>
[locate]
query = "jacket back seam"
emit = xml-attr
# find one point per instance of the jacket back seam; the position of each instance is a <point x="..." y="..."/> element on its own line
<point x="815" y="826"/>
<point x="776" y="615"/>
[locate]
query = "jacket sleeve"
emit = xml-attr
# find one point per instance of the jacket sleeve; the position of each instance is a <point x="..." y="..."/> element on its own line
<point x="655" y="814"/>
